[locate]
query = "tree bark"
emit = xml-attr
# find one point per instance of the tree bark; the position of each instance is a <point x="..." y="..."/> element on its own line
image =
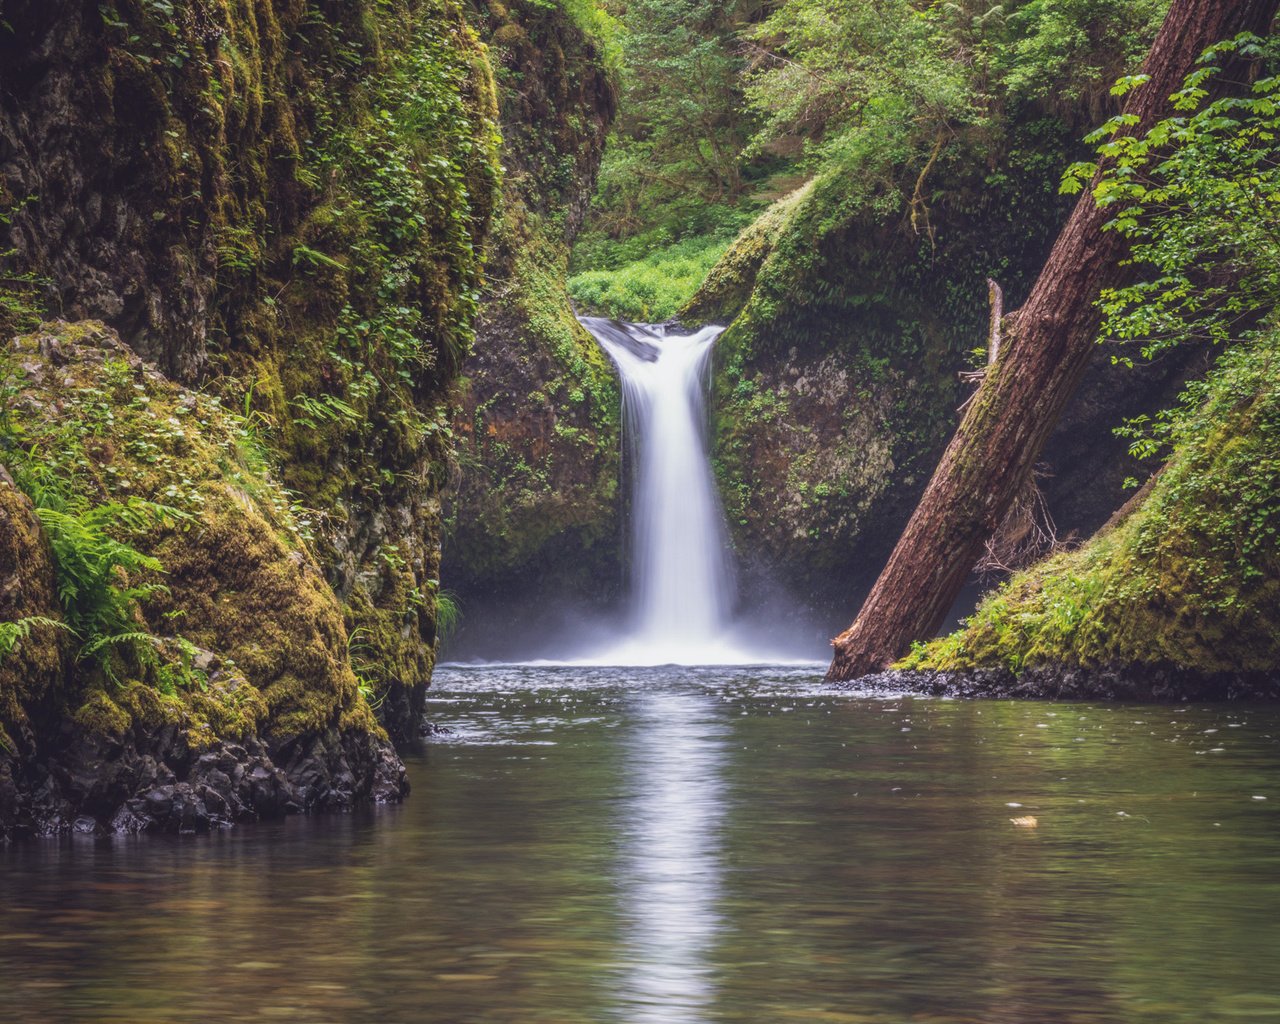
<point x="1045" y="350"/>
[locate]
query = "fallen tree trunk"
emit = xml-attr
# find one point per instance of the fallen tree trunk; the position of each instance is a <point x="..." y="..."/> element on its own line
<point x="1043" y="354"/>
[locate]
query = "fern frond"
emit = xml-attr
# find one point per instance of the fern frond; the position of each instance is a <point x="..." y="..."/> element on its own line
<point x="100" y="643"/>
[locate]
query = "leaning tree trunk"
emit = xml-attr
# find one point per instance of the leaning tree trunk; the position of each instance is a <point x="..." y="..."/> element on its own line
<point x="1046" y="348"/>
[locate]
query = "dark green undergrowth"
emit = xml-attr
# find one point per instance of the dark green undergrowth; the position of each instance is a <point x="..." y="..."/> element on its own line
<point x="223" y="572"/>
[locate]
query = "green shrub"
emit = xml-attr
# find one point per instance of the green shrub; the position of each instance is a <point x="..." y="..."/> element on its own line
<point x="653" y="287"/>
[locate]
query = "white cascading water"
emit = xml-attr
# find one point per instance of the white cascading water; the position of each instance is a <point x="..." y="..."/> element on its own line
<point x="682" y="571"/>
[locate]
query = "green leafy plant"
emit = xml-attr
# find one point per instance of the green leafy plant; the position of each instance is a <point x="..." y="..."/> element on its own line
<point x="101" y="580"/>
<point x="312" y="412"/>
<point x="652" y="288"/>
<point x="13" y="633"/>
<point x="21" y="307"/>
<point x="305" y="256"/>
<point x="1198" y="197"/>
<point x="364" y="667"/>
<point x="448" y="614"/>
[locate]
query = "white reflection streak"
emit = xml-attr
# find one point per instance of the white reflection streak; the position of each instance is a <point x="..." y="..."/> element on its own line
<point x="673" y="857"/>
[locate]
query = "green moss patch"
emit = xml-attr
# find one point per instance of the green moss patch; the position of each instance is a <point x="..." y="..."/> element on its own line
<point x="250" y="636"/>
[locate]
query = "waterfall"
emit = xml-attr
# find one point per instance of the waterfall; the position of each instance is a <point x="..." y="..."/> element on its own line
<point x="682" y="572"/>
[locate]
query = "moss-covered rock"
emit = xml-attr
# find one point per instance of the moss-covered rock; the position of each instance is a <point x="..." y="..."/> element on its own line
<point x="286" y="203"/>
<point x="538" y="423"/>
<point x="32" y="666"/>
<point x="245" y="639"/>
<point x="1183" y="585"/>
<point x="852" y="313"/>
<point x="835" y="385"/>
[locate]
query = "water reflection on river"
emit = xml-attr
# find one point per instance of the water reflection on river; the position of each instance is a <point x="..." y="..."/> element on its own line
<point x="687" y="846"/>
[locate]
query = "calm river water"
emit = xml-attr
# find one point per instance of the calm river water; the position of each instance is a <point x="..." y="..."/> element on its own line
<point x="699" y="845"/>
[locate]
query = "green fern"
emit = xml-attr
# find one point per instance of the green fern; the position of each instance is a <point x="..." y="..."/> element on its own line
<point x="448" y="614"/>
<point x="363" y="669"/>
<point x="324" y="409"/>
<point x="95" y="569"/>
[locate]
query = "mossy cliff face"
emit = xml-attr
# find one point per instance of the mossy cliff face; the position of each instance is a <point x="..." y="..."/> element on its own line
<point x="286" y="204"/>
<point x="835" y="385"/>
<point x="1178" y="596"/>
<point x="282" y="207"/>
<point x="538" y="427"/>
<point x="851" y="314"/>
<point x="250" y="704"/>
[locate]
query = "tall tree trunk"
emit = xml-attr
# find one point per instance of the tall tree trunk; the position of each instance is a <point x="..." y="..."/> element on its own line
<point x="1045" y="351"/>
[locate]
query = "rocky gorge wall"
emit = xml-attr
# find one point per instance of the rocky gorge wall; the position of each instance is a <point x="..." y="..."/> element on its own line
<point x="535" y="513"/>
<point x="281" y="207"/>
<point x="837" y="382"/>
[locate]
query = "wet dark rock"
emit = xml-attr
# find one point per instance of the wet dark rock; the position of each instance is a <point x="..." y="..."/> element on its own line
<point x="155" y="783"/>
<point x="634" y="338"/>
<point x="1145" y="683"/>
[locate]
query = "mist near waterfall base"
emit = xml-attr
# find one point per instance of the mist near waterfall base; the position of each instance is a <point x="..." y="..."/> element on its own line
<point x="682" y="605"/>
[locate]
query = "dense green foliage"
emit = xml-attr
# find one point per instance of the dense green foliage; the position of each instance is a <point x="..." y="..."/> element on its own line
<point x="101" y="578"/>
<point x="674" y="186"/>
<point x="220" y="564"/>
<point x="391" y="187"/>
<point x="885" y="99"/>
<point x="676" y="147"/>
<point x="855" y="300"/>
<point x="1189" y="576"/>
<point x="1198" y="196"/>
<point x="861" y="81"/>
<point x="656" y="286"/>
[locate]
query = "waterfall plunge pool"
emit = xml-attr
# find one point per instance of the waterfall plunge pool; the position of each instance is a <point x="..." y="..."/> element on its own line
<point x="691" y="846"/>
<point x="682" y="605"/>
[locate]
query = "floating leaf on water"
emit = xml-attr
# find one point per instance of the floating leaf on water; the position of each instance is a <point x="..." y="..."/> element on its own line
<point x="1026" y="821"/>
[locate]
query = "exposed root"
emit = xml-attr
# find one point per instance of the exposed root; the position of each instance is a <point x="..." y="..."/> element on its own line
<point x="1026" y="535"/>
